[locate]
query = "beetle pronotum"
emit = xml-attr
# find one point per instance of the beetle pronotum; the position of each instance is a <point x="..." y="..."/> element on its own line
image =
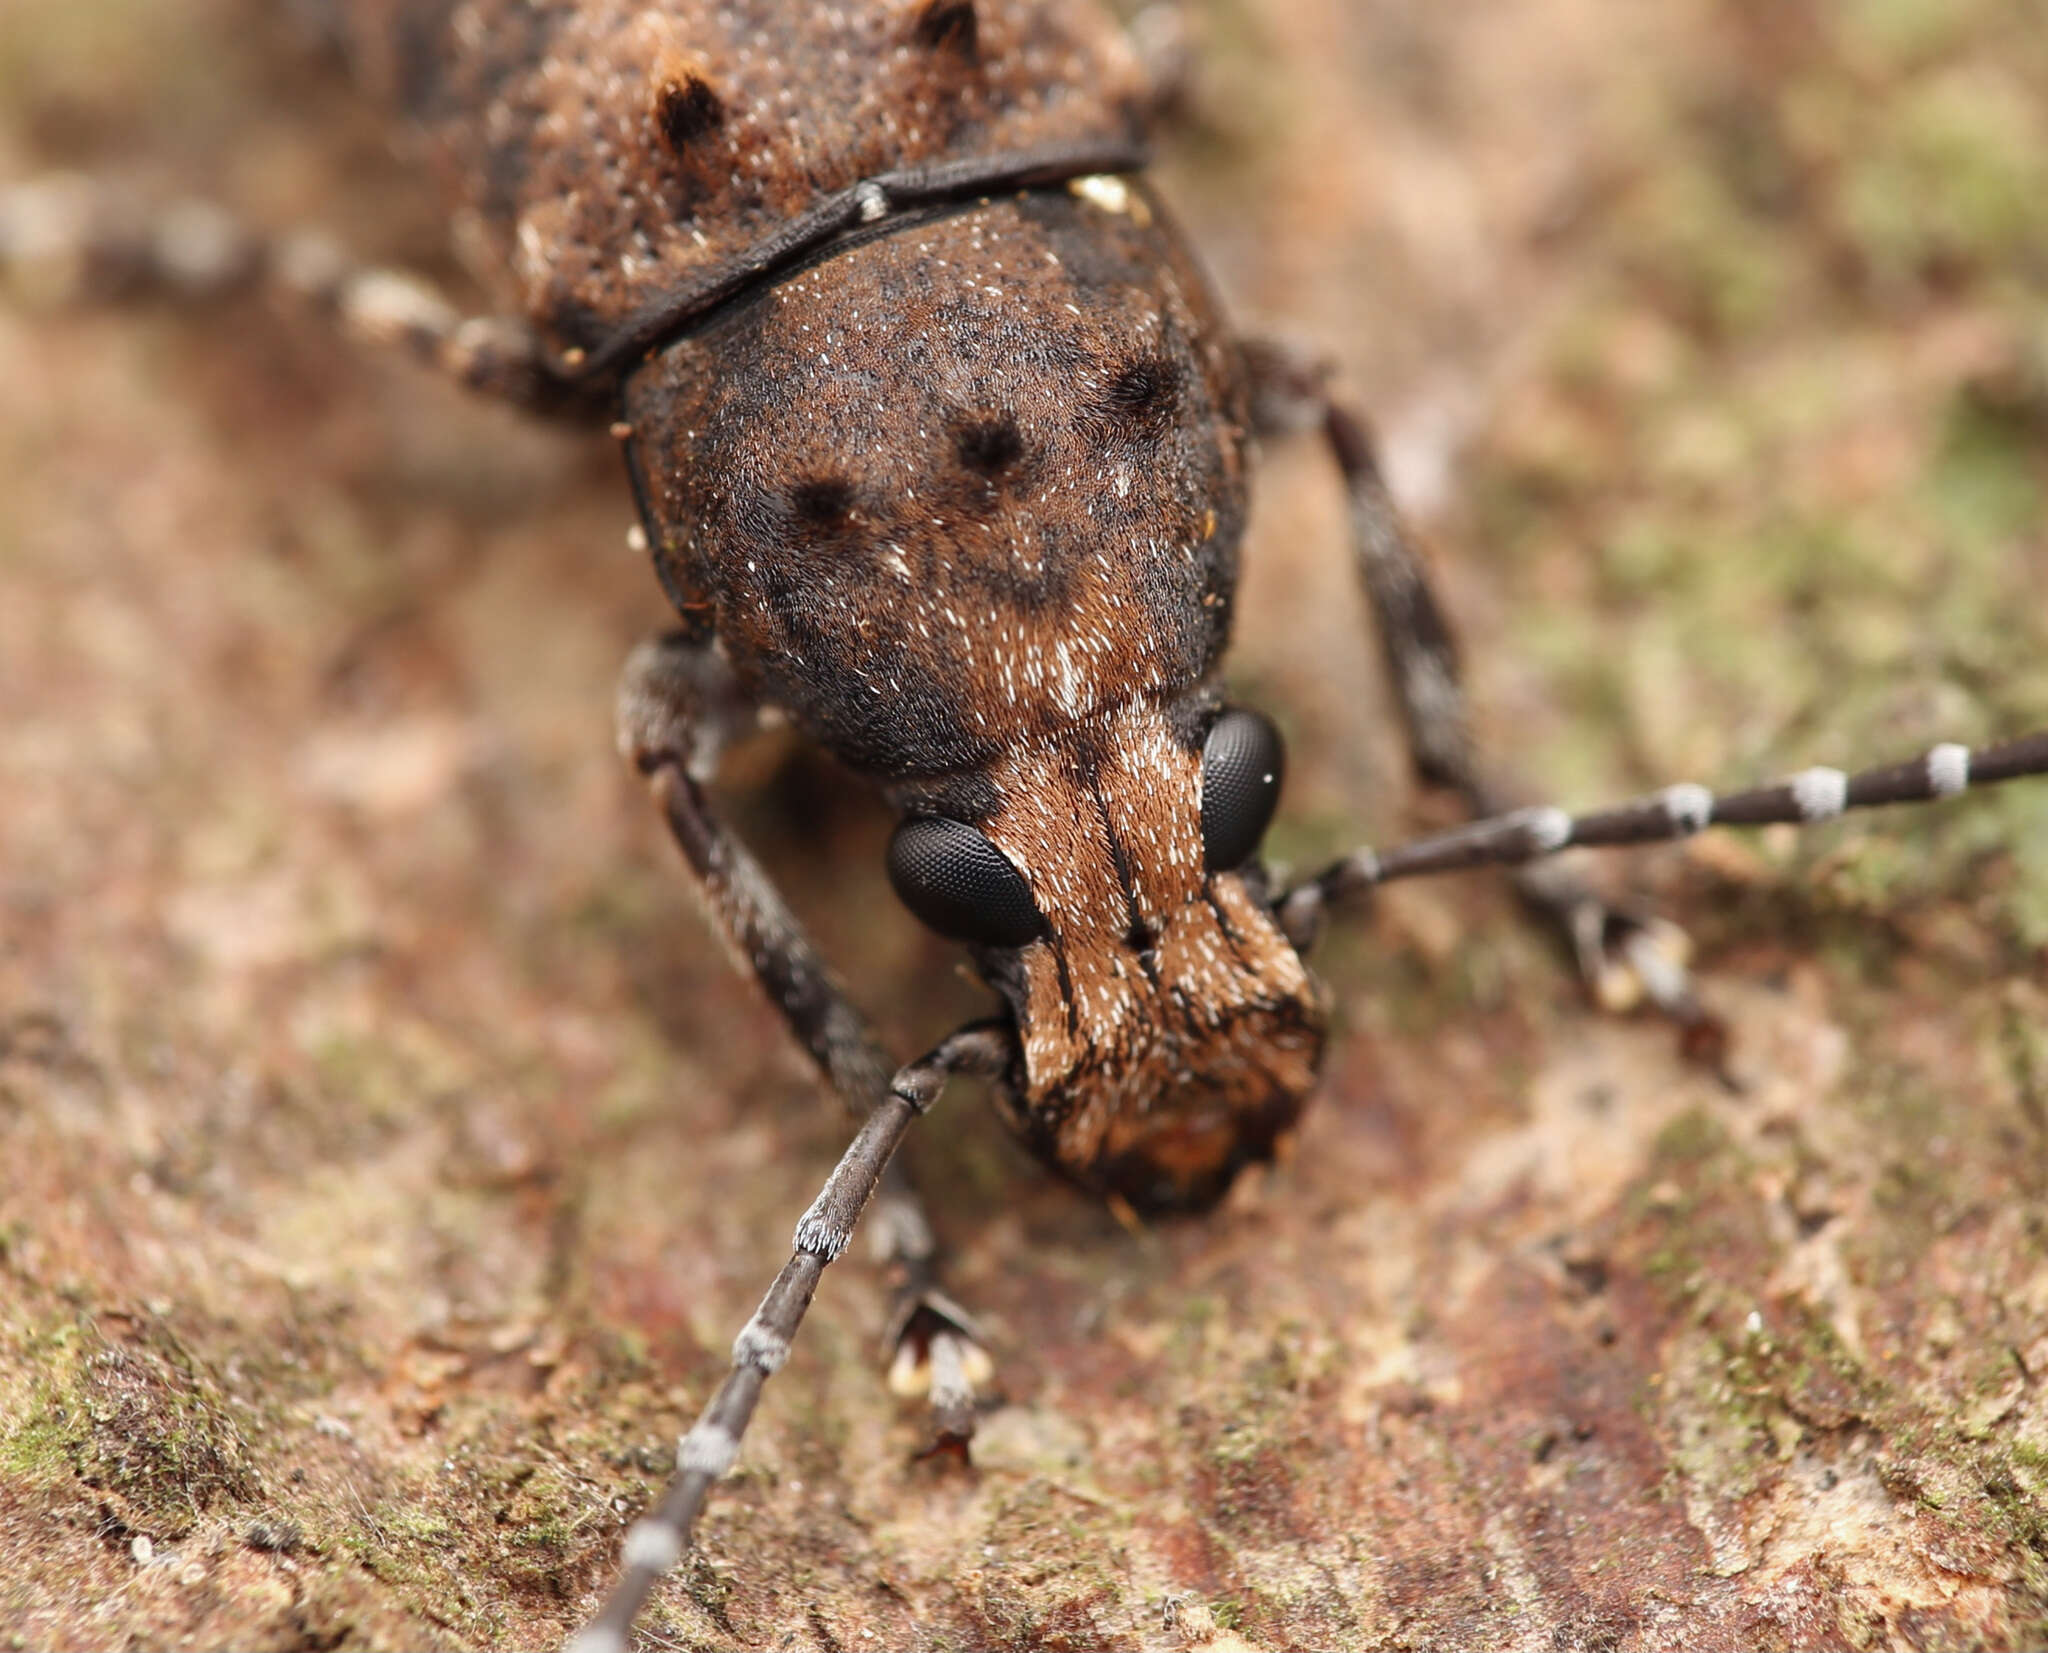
<point x="1249" y="1494"/>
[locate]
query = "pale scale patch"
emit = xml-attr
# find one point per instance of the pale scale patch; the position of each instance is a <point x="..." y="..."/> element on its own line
<point x="1688" y="806"/>
<point x="1819" y="793"/>
<point x="1948" y="769"/>
<point x="651" y="1545"/>
<point x="708" y="1449"/>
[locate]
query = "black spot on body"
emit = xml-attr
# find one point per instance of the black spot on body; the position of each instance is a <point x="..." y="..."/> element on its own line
<point x="1141" y="396"/>
<point x="686" y="110"/>
<point x="990" y="445"/>
<point x="949" y="26"/>
<point x="822" y="502"/>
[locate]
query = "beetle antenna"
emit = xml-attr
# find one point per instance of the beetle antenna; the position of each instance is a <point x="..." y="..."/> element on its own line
<point x="1676" y="812"/>
<point x="658" y="1540"/>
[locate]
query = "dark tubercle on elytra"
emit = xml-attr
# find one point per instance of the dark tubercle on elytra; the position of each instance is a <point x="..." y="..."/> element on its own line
<point x="686" y="109"/>
<point x="823" y="501"/>
<point x="989" y="445"/>
<point x="949" y="26"/>
<point x="1140" y="396"/>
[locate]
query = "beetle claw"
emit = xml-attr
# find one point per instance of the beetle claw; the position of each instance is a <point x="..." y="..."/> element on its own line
<point x="1629" y="960"/>
<point x="939" y="1357"/>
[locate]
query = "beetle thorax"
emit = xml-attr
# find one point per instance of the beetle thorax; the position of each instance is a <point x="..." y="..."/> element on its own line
<point x="955" y="488"/>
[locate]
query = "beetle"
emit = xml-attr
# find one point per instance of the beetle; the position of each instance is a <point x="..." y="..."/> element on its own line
<point x="998" y="445"/>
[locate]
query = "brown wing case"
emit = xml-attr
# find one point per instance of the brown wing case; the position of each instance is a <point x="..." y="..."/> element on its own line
<point x="606" y="155"/>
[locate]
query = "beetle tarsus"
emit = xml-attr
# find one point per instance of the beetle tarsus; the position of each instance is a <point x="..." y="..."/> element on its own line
<point x="940" y="1356"/>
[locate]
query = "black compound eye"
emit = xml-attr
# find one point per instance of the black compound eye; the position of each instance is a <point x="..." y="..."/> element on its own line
<point x="960" y="884"/>
<point x="1242" y="763"/>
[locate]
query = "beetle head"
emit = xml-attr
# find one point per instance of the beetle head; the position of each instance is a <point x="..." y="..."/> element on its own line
<point x="1168" y="1034"/>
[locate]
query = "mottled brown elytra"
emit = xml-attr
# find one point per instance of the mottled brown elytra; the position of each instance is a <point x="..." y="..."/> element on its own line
<point x="940" y="445"/>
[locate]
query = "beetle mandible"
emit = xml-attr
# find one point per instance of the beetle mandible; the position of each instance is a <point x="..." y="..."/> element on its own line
<point x="1152" y="406"/>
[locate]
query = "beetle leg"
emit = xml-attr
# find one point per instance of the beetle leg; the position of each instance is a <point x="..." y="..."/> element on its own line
<point x="67" y="238"/>
<point x="1625" y="957"/>
<point x="659" y="1538"/>
<point x="679" y="705"/>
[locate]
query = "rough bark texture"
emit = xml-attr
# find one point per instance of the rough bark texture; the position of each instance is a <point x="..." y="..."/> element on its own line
<point x="389" y="1156"/>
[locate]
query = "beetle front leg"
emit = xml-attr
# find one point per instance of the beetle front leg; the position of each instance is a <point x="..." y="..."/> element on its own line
<point x="1625" y="957"/>
<point x="679" y="706"/>
<point x="659" y="1539"/>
